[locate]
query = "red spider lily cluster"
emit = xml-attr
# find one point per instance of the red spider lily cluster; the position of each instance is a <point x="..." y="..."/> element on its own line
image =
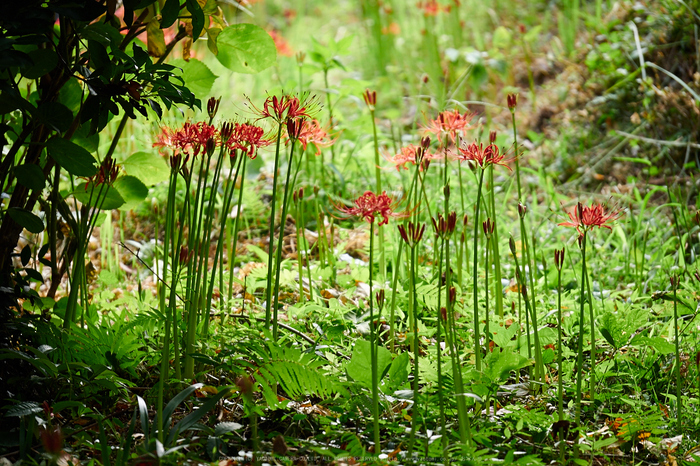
<point x="450" y="122"/>
<point x="247" y="138"/>
<point x="584" y="218"/>
<point x="283" y="109"/>
<point x="191" y="139"/>
<point x="311" y="132"/>
<point x="370" y="205"/>
<point x="483" y="156"/>
<point x="412" y="154"/>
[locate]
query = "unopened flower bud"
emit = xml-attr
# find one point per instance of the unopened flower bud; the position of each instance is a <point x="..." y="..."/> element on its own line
<point x="425" y="142"/>
<point x="511" y="244"/>
<point x="370" y="99"/>
<point x="522" y="210"/>
<point x="453" y="294"/>
<point x="446" y="191"/>
<point x="210" y="146"/>
<point x="512" y="100"/>
<point x="300" y="58"/>
<point x="492" y="137"/>
<point x="213" y="106"/>
<point x="381" y="296"/>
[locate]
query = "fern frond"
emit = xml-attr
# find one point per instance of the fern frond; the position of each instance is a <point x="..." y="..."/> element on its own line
<point x="297" y="373"/>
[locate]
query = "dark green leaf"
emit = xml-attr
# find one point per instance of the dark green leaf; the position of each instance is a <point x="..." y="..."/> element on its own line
<point x="26" y="219"/>
<point x="76" y="160"/>
<point x="54" y="115"/>
<point x="25" y="255"/>
<point x="169" y="13"/>
<point x="246" y="48"/>
<point x="197" y="18"/>
<point x="44" y="60"/>
<point x="30" y="175"/>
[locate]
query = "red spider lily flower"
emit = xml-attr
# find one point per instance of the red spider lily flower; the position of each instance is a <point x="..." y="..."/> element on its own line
<point x="248" y="139"/>
<point x="284" y="108"/>
<point x="370" y="205"/>
<point x="411" y="154"/>
<point x="191" y="139"/>
<point x="584" y="218"/>
<point x="483" y="156"/>
<point x="450" y="122"/>
<point x="430" y="7"/>
<point x="107" y="173"/>
<point x="312" y="132"/>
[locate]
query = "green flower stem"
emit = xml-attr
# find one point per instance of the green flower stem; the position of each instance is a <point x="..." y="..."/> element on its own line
<point x="280" y="241"/>
<point x="496" y="256"/>
<point x="219" y="254"/>
<point x="165" y="355"/>
<point x="579" y="359"/>
<point x="539" y="366"/>
<point x="591" y="393"/>
<point x="378" y="179"/>
<point x="517" y="160"/>
<point x="477" y="338"/>
<point x="373" y="345"/>
<point x="271" y="240"/>
<point x="462" y="414"/>
<point x="679" y="405"/>
<point x="416" y="351"/>
<point x="438" y="346"/>
<point x="487" y="330"/>
<point x="560" y="348"/>
<point x="236" y="225"/>
<point x="297" y="210"/>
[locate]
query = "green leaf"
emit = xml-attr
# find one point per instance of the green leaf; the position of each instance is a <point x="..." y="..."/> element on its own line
<point x="71" y="95"/>
<point x="226" y="427"/>
<point x="397" y="374"/>
<point x="132" y="190"/>
<point x="102" y="196"/>
<point x="149" y="167"/>
<point x="26" y="219"/>
<point x="197" y="76"/>
<point x="83" y="138"/>
<point x="197" y="18"/>
<point x="24" y="409"/>
<point x="76" y="160"/>
<point x="44" y="61"/>
<point x="169" y="13"/>
<point x="360" y="365"/>
<point x="501" y="38"/>
<point x="246" y="48"/>
<point x="658" y="343"/>
<point x="499" y="364"/>
<point x="54" y="115"/>
<point x="30" y="175"/>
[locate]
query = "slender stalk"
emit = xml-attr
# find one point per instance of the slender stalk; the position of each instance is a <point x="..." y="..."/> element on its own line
<point x="477" y="338"/>
<point x="495" y="247"/>
<point x="579" y="359"/>
<point x="236" y="225"/>
<point x="268" y="289"/>
<point x="679" y="405"/>
<point x="373" y="345"/>
<point x="280" y="241"/>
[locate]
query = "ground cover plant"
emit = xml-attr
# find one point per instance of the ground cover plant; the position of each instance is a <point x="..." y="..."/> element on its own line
<point x="360" y="233"/>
